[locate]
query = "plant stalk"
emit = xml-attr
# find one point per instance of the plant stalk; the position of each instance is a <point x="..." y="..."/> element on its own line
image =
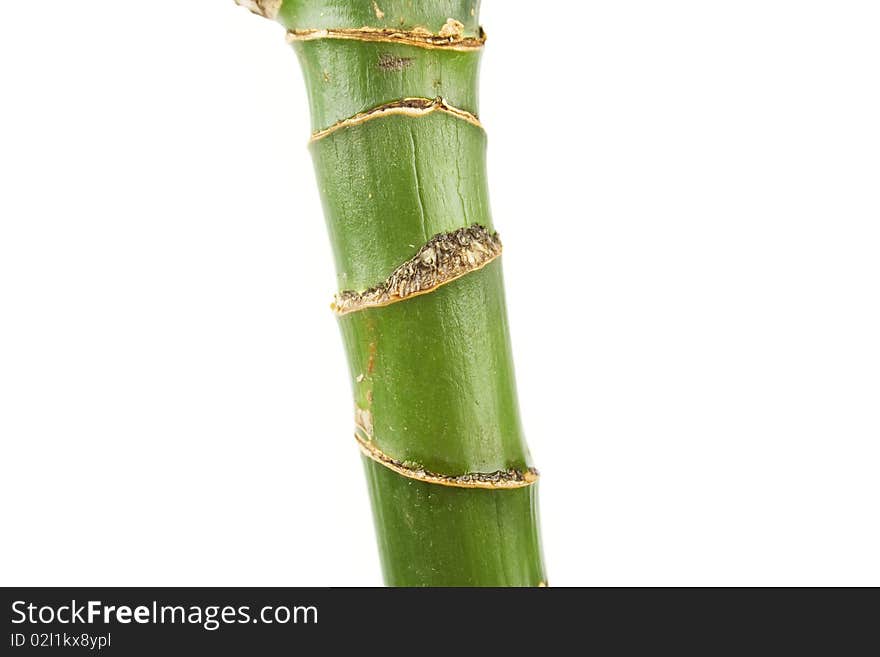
<point x="399" y="155"/>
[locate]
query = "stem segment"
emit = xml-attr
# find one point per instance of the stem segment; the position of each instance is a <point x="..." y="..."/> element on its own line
<point x="400" y="159"/>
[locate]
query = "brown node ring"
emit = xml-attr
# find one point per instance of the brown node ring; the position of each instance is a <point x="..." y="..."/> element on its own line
<point x="443" y="259"/>
<point x="450" y="37"/>
<point x="412" y="107"/>
<point x="498" y="480"/>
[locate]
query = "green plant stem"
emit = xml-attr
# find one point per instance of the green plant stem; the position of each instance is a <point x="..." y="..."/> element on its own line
<point x="432" y="374"/>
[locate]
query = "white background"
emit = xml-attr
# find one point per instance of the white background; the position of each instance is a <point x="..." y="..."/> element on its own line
<point x="688" y="196"/>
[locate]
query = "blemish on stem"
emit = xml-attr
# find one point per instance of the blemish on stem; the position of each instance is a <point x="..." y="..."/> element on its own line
<point x="452" y="29"/>
<point x="371" y="359"/>
<point x="390" y="62"/>
<point x="363" y="420"/>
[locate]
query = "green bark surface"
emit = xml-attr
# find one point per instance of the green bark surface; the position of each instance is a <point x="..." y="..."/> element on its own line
<point x="434" y="373"/>
<point x="432" y="535"/>
<point x="344" y="78"/>
<point x="390" y="184"/>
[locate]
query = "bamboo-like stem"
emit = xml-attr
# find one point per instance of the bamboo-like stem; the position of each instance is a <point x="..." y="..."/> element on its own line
<point x="400" y="159"/>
